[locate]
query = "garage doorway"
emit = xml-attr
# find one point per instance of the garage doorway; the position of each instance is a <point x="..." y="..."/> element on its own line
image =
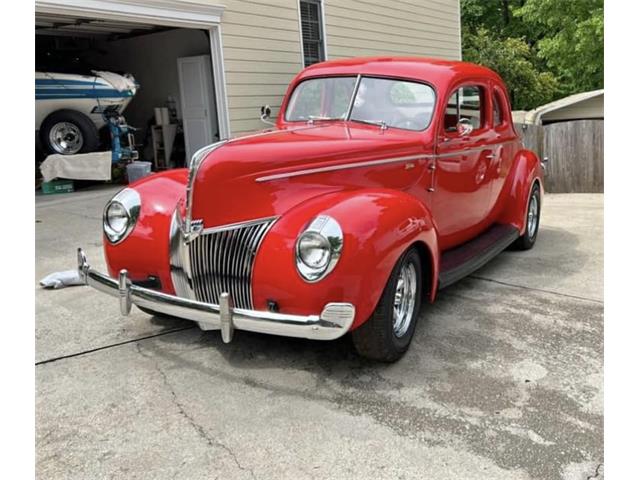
<point x="149" y="43"/>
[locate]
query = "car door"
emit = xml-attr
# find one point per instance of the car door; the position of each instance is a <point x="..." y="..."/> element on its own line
<point x="505" y="142"/>
<point x="462" y="161"/>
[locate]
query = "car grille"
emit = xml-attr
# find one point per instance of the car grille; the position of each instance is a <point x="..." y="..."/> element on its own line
<point x="222" y="261"/>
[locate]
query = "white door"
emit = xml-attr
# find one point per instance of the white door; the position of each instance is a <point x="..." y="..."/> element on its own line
<point x="199" y="117"/>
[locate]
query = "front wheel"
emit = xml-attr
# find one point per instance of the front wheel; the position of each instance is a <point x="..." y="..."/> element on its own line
<point x="528" y="239"/>
<point x="387" y="334"/>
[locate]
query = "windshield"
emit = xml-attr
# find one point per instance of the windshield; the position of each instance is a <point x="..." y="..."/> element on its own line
<point x="379" y="101"/>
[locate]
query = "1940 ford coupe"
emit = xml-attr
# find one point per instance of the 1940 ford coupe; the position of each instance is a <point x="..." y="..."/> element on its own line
<point x="381" y="181"/>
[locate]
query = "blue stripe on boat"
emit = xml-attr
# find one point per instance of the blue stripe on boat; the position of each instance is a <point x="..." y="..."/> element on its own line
<point x="49" y="93"/>
<point x="54" y="81"/>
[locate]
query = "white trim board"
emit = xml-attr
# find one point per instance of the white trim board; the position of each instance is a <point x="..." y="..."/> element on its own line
<point x="184" y="14"/>
<point x="159" y="12"/>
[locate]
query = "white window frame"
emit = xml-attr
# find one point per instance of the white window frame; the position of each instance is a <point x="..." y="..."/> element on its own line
<point x="324" y="32"/>
<point x="167" y="13"/>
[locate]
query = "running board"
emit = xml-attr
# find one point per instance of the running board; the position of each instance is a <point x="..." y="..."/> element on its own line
<point x="457" y="263"/>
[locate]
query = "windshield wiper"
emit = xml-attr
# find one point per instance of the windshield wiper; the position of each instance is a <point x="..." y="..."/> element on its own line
<point x="314" y="118"/>
<point x="380" y="123"/>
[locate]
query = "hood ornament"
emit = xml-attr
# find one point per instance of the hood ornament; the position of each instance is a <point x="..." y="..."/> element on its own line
<point x="194" y="230"/>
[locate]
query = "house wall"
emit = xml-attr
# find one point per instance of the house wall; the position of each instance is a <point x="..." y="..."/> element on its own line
<point x="262" y="44"/>
<point x="401" y="27"/>
<point x="262" y="53"/>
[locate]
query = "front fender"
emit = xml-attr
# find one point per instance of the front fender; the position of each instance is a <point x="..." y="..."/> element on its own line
<point x="378" y="226"/>
<point x="145" y="251"/>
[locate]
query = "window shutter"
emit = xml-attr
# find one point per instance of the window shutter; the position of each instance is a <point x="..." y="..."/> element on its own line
<point x="310" y="21"/>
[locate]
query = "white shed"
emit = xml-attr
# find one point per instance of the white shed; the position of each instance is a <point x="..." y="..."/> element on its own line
<point x="581" y="106"/>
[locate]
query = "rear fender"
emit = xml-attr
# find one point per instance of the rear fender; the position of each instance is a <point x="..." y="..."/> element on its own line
<point x="378" y="226"/>
<point x="526" y="170"/>
<point x="145" y="251"/>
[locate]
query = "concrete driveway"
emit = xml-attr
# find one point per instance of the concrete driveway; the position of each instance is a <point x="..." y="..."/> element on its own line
<point x="504" y="378"/>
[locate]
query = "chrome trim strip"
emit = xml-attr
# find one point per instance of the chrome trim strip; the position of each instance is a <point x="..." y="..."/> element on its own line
<point x="343" y="166"/>
<point x="353" y="96"/>
<point x="383" y="161"/>
<point x="194" y="165"/>
<point x="333" y="322"/>
<point x="463" y="152"/>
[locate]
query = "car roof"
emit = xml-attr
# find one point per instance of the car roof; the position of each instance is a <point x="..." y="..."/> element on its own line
<point x="436" y="71"/>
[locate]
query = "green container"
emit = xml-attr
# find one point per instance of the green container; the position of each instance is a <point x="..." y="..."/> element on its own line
<point x="57" y="186"/>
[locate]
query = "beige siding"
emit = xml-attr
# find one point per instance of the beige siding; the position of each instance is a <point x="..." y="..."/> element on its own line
<point x="399" y="27"/>
<point x="262" y="50"/>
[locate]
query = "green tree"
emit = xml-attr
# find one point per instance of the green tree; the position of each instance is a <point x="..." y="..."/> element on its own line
<point x="543" y="49"/>
<point x="514" y="61"/>
<point x="570" y="40"/>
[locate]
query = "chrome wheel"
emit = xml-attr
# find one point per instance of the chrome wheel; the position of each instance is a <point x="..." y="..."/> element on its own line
<point x="532" y="217"/>
<point x="404" y="299"/>
<point x="65" y="138"/>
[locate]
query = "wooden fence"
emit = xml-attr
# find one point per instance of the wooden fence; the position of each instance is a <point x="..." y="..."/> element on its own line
<point x="575" y="151"/>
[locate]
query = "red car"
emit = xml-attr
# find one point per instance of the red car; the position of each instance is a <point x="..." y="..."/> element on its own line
<point x="382" y="181"/>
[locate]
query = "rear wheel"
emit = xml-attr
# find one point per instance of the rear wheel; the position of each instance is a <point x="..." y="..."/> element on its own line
<point x="528" y="239"/>
<point x="68" y="132"/>
<point x="387" y="334"/>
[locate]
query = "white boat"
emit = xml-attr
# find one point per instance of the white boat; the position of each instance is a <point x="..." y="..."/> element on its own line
<point x="69" y="108"/>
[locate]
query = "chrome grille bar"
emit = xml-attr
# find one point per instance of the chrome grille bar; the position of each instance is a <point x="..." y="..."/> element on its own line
<point x="221" y="260"/>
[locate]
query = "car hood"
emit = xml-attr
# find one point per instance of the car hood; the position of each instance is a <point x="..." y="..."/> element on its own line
<point x="248" y="177"/>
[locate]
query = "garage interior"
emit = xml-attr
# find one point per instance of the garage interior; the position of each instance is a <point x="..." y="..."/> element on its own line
<point x="152" y="55"/>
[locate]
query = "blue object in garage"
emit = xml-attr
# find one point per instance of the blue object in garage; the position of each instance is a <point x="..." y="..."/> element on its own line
<point x="123" y="147"/>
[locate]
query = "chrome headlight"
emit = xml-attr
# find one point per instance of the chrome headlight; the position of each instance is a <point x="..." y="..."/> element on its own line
<point x="318" y="248"/>
<point x="121" y="214"/>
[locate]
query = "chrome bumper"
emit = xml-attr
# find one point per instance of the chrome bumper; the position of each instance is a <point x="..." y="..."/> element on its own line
<point x="333" y="322"/>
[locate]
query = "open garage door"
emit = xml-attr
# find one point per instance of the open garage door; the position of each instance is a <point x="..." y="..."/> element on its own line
<point x="146" y="43"/>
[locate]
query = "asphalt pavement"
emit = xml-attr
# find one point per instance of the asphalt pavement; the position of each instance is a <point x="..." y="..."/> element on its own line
<point x="504" y="379"/>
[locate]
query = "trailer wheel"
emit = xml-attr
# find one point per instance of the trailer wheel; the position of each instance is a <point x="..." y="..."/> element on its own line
<point x="68" y="132"/>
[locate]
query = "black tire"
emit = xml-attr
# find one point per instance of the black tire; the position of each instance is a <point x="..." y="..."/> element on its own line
<point x="90" y="140"/>
<point x="528" y="239"/>
<point x="375" y="339"/>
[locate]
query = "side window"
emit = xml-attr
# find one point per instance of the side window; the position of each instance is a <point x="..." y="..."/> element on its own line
<point x="465" y="102"/>
<point x="497" y="110"/>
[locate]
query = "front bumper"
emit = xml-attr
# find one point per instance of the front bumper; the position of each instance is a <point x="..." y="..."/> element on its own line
<point x="333" y="322"/>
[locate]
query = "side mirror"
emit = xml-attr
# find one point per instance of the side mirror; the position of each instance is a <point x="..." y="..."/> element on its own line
<point x="464" y="127"/>
<point x="265" y="114"/>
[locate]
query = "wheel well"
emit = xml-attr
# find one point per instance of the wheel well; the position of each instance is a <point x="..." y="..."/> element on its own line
<point x="66" y="111"/>
<point x="537" y="180"/>
<point x="427" y="267"/>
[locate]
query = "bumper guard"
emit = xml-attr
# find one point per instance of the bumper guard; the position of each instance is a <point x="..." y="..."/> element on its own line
<point x="333" y="322"/>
